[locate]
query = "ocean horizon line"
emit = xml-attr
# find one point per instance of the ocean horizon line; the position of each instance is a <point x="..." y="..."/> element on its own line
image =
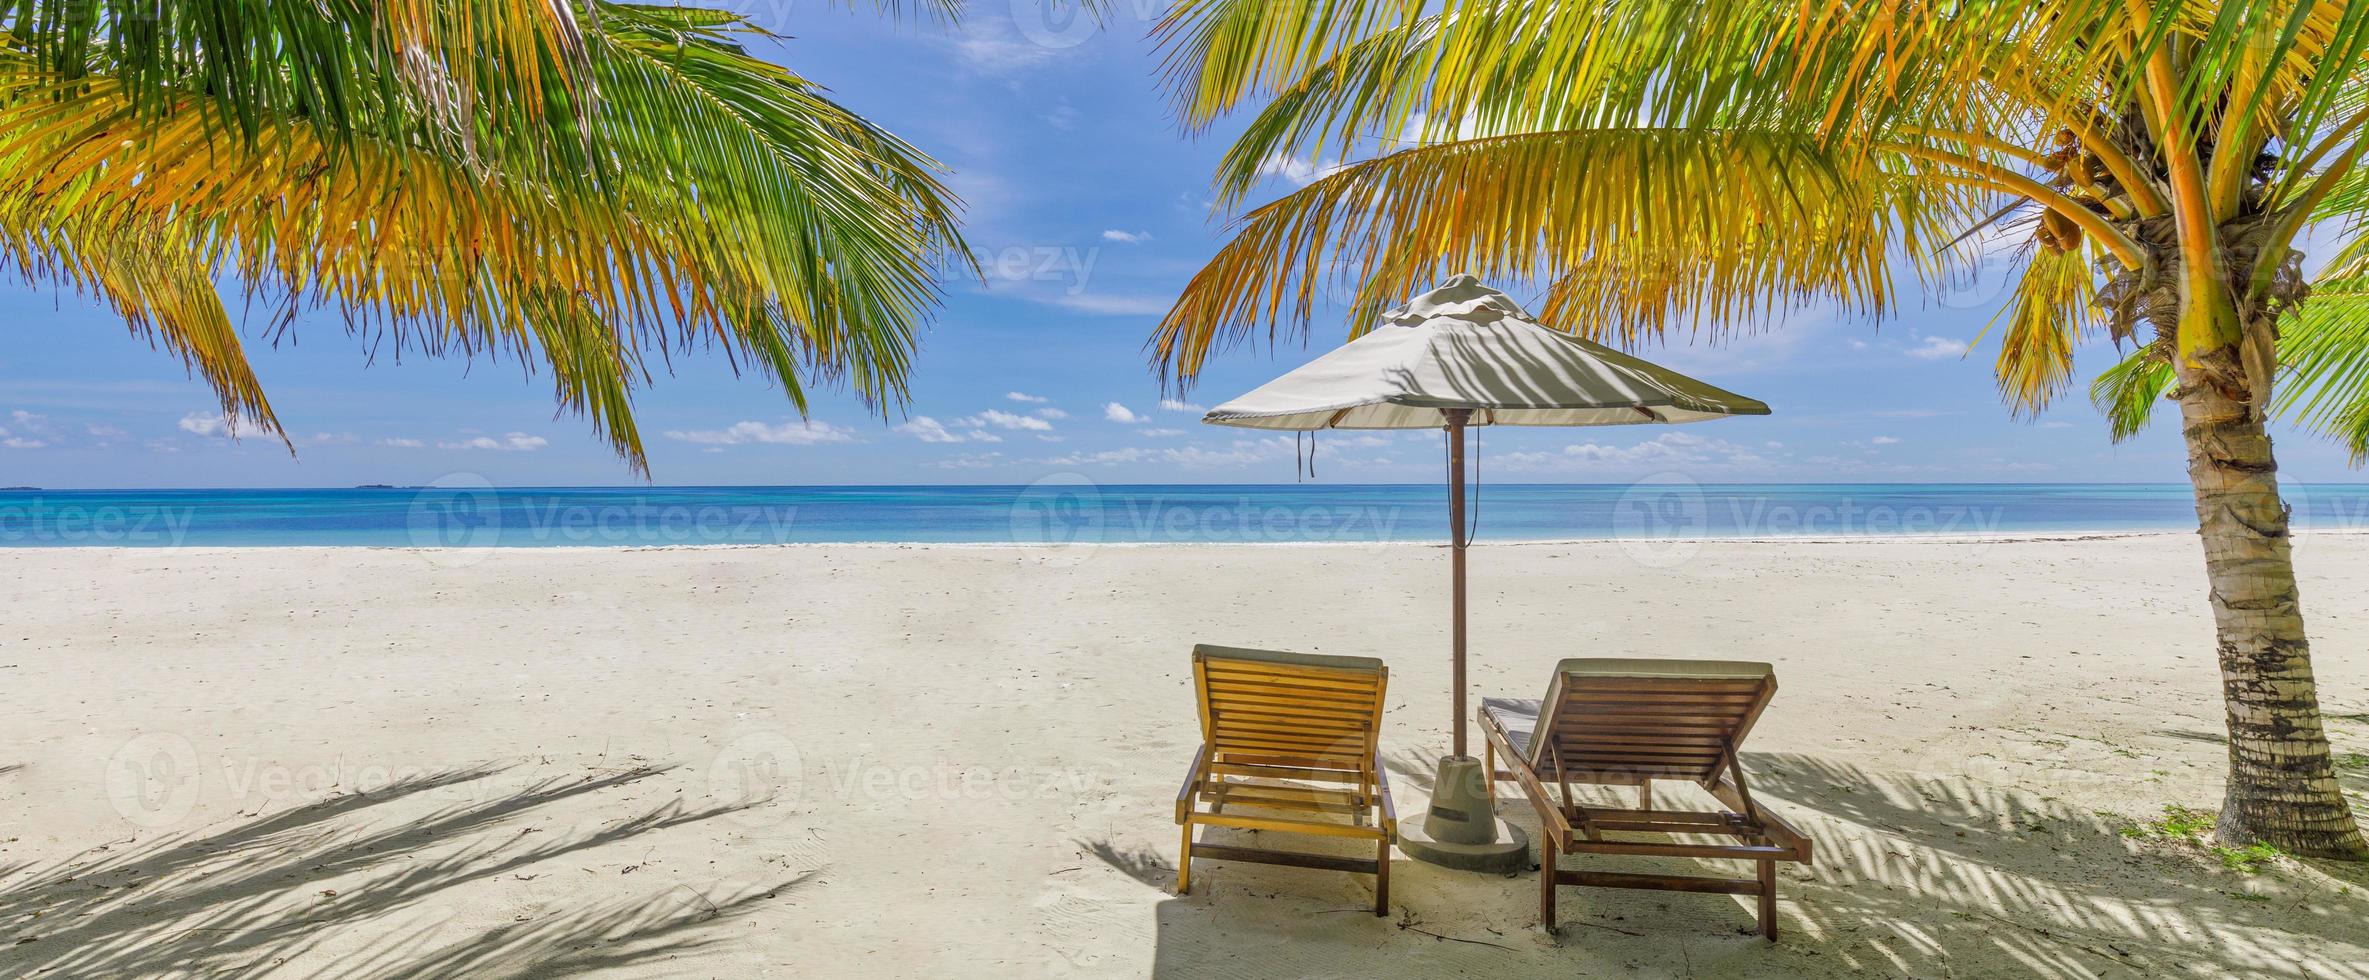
<point x="1071" y="509"/>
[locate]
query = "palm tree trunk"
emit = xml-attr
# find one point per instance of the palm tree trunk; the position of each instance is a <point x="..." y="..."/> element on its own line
<point x="2282" y="782"/>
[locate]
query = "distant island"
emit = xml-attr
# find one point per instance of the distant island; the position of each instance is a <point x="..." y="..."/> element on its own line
<point x="20" y="488"/>
<point x="375" y="486"/>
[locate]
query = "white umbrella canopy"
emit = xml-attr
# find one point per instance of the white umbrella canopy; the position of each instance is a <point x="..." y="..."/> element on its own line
<point x="1467" y="346"/>
<point x="1464" y="355"/>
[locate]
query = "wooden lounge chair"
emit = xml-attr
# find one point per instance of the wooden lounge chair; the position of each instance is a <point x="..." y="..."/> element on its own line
<point x="1628" y="723"/>
<point x="1292" y="738"/>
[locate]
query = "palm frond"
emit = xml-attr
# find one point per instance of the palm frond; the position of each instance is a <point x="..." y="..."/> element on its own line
<point x="2127" y="393"/>
<point x="1918" y="110"/>
<point x="2324" y="350"/>
<point x="1616" y="218"/>
<point x="2054" y="308"/>
<point x="733" y="206"/>
<point x="165" y="295"/>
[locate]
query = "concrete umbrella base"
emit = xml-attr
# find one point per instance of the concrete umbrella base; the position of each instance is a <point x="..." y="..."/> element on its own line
<point x="1461" y="831"/>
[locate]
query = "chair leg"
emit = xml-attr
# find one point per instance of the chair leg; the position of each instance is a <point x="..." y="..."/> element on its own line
<point x="1382" y="877"/>
<point x="1768" y="900"/>
<point x="1184" y="863"/>
<point x="1546" y="881"/>
<point x="1645" y="794"/>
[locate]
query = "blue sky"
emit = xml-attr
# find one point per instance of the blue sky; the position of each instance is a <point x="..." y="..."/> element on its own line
<point x="1090" y="211"/>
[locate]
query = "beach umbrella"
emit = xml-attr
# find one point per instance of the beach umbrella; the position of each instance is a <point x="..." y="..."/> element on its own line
<point x="1460" y="356"/>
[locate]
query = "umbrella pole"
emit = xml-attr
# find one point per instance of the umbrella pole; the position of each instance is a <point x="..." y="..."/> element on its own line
<point x="1460" y="828"/>
<point x="1456" y="420"/>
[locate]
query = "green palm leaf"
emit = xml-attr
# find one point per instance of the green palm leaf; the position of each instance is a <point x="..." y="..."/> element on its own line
<point x="647" y="188"/>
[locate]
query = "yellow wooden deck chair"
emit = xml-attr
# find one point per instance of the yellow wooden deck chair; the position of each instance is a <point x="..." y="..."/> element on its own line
<point x="1288" y="743"/>
<point x="1628" y="723"/>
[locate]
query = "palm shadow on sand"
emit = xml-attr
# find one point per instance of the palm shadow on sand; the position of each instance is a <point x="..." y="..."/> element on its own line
<point x="1916" y="874"/>
<point x="245" y="898"/>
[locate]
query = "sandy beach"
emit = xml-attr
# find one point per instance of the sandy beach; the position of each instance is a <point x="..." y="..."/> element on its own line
<point x="960" y="761"/>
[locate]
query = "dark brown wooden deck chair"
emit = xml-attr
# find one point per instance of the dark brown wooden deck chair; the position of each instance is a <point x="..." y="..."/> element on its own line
<point x="1291" y="739"/>
<point x="1629" y="723"/>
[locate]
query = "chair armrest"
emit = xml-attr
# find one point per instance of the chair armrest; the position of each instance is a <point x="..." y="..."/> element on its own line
<point x="1382" y="786"/>
<point x="1778" y="830"/>
<point x="1184" y="793"/>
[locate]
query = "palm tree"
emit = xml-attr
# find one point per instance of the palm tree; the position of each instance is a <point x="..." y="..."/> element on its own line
<point x="580" y="184"/>
<point x="1703" y="166"/>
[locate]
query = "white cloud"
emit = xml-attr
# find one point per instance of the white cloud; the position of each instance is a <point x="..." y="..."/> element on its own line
<point x="974" y="428"/>
<point x="968" y="461"/>
<point x="1107" y="457"/>
<point x="1051" y="413"/>
<point x="514" y="442"/>
<point x="1121" y="414"/>
<point x="330" y="439"/>
<point x="1242" y="451"/>
<point x="98" y="431"/>
<point x="927" y="429"/>
<point x="1007" y="420"/>
<point x="400" y="443"/>
<point x="1885" y="441"/>
<point x="1179" y="405"/>
<point x="2056" y="424"/>
<point x="31" y="432"/>
<point x="1022" y="396"/>
<point x="991" y="46"/>
<point x="1162" y="432"/>
<point x="1123" y="235"/>
<point x="1296" y="170"/>
<point x="200" y="424"/>
<point x="791" y="433"/>
<point x="1063" y="116"/>
<point x="1670" y="450"/>
<point x="1938" y="348"/>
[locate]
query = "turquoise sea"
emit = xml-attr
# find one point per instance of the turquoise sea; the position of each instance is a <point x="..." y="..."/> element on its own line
<point x="1072" y="509"/>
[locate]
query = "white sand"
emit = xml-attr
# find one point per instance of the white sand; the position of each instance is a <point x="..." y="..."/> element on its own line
<point x="526" y="762"/>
